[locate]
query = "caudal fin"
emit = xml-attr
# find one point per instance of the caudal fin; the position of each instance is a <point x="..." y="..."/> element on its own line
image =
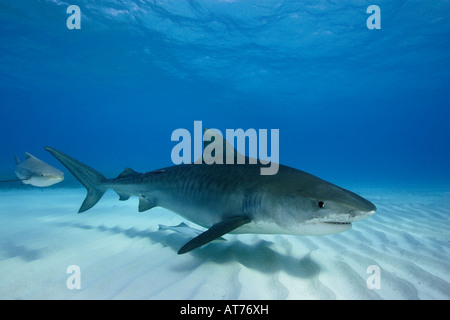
<point x="88" y="177"/>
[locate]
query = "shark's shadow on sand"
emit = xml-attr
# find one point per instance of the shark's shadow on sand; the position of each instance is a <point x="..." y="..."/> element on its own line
<point x="12" y="250"/>
<point x="258" y="256"/>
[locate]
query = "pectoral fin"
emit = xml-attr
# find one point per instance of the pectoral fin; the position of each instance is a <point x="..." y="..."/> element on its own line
<point x="216" y="231"/>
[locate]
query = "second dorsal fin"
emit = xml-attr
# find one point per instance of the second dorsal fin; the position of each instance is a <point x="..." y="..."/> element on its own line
<point x="126" y="172"/>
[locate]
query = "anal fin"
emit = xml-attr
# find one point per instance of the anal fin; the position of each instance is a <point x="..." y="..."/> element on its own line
<point x="216" y="231"/>
<point x="123" y="196"/>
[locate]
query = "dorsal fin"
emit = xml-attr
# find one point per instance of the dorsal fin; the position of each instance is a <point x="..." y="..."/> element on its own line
<point x="217" y="149"/>
<point x="182" y="224"/>
<point x="126" y="172"/>
<point x="29" y="155"/>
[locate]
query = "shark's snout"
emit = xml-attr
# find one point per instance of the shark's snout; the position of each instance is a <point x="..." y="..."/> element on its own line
<point x="55" y="177"/>
<point x="361" y="215"/>
<point x="365" y="210"/>
<point x="349" y="208"/>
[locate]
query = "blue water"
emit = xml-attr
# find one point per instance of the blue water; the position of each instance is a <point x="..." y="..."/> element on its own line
<point x="353" y="105"/>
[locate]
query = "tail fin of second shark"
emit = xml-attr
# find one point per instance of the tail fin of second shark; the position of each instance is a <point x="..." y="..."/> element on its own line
<point x="88" y="177"/>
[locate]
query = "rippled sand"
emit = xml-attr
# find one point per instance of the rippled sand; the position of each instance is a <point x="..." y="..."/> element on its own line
<point x="122" y="255"/>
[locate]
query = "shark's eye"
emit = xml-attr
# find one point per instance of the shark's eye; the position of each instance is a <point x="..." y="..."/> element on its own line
<point x="321" y="204"/>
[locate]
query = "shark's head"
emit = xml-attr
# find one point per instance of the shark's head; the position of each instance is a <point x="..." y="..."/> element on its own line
<point x="333" y="209"/>
<point x="38" y="173"/>
<point x="45" y="178"/>
<point x="312" y="206"/>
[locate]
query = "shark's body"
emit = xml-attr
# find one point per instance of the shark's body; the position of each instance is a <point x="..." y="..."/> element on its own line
<point x="229" y="198"/>
<point x="36" y="172"/>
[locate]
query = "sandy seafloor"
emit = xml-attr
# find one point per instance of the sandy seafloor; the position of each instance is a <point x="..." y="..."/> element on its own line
<point x="122" y="255"/>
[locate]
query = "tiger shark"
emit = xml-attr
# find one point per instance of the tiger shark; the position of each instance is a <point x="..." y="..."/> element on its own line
<point x="36" y="172"/>
<point x="231" y="198"/>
